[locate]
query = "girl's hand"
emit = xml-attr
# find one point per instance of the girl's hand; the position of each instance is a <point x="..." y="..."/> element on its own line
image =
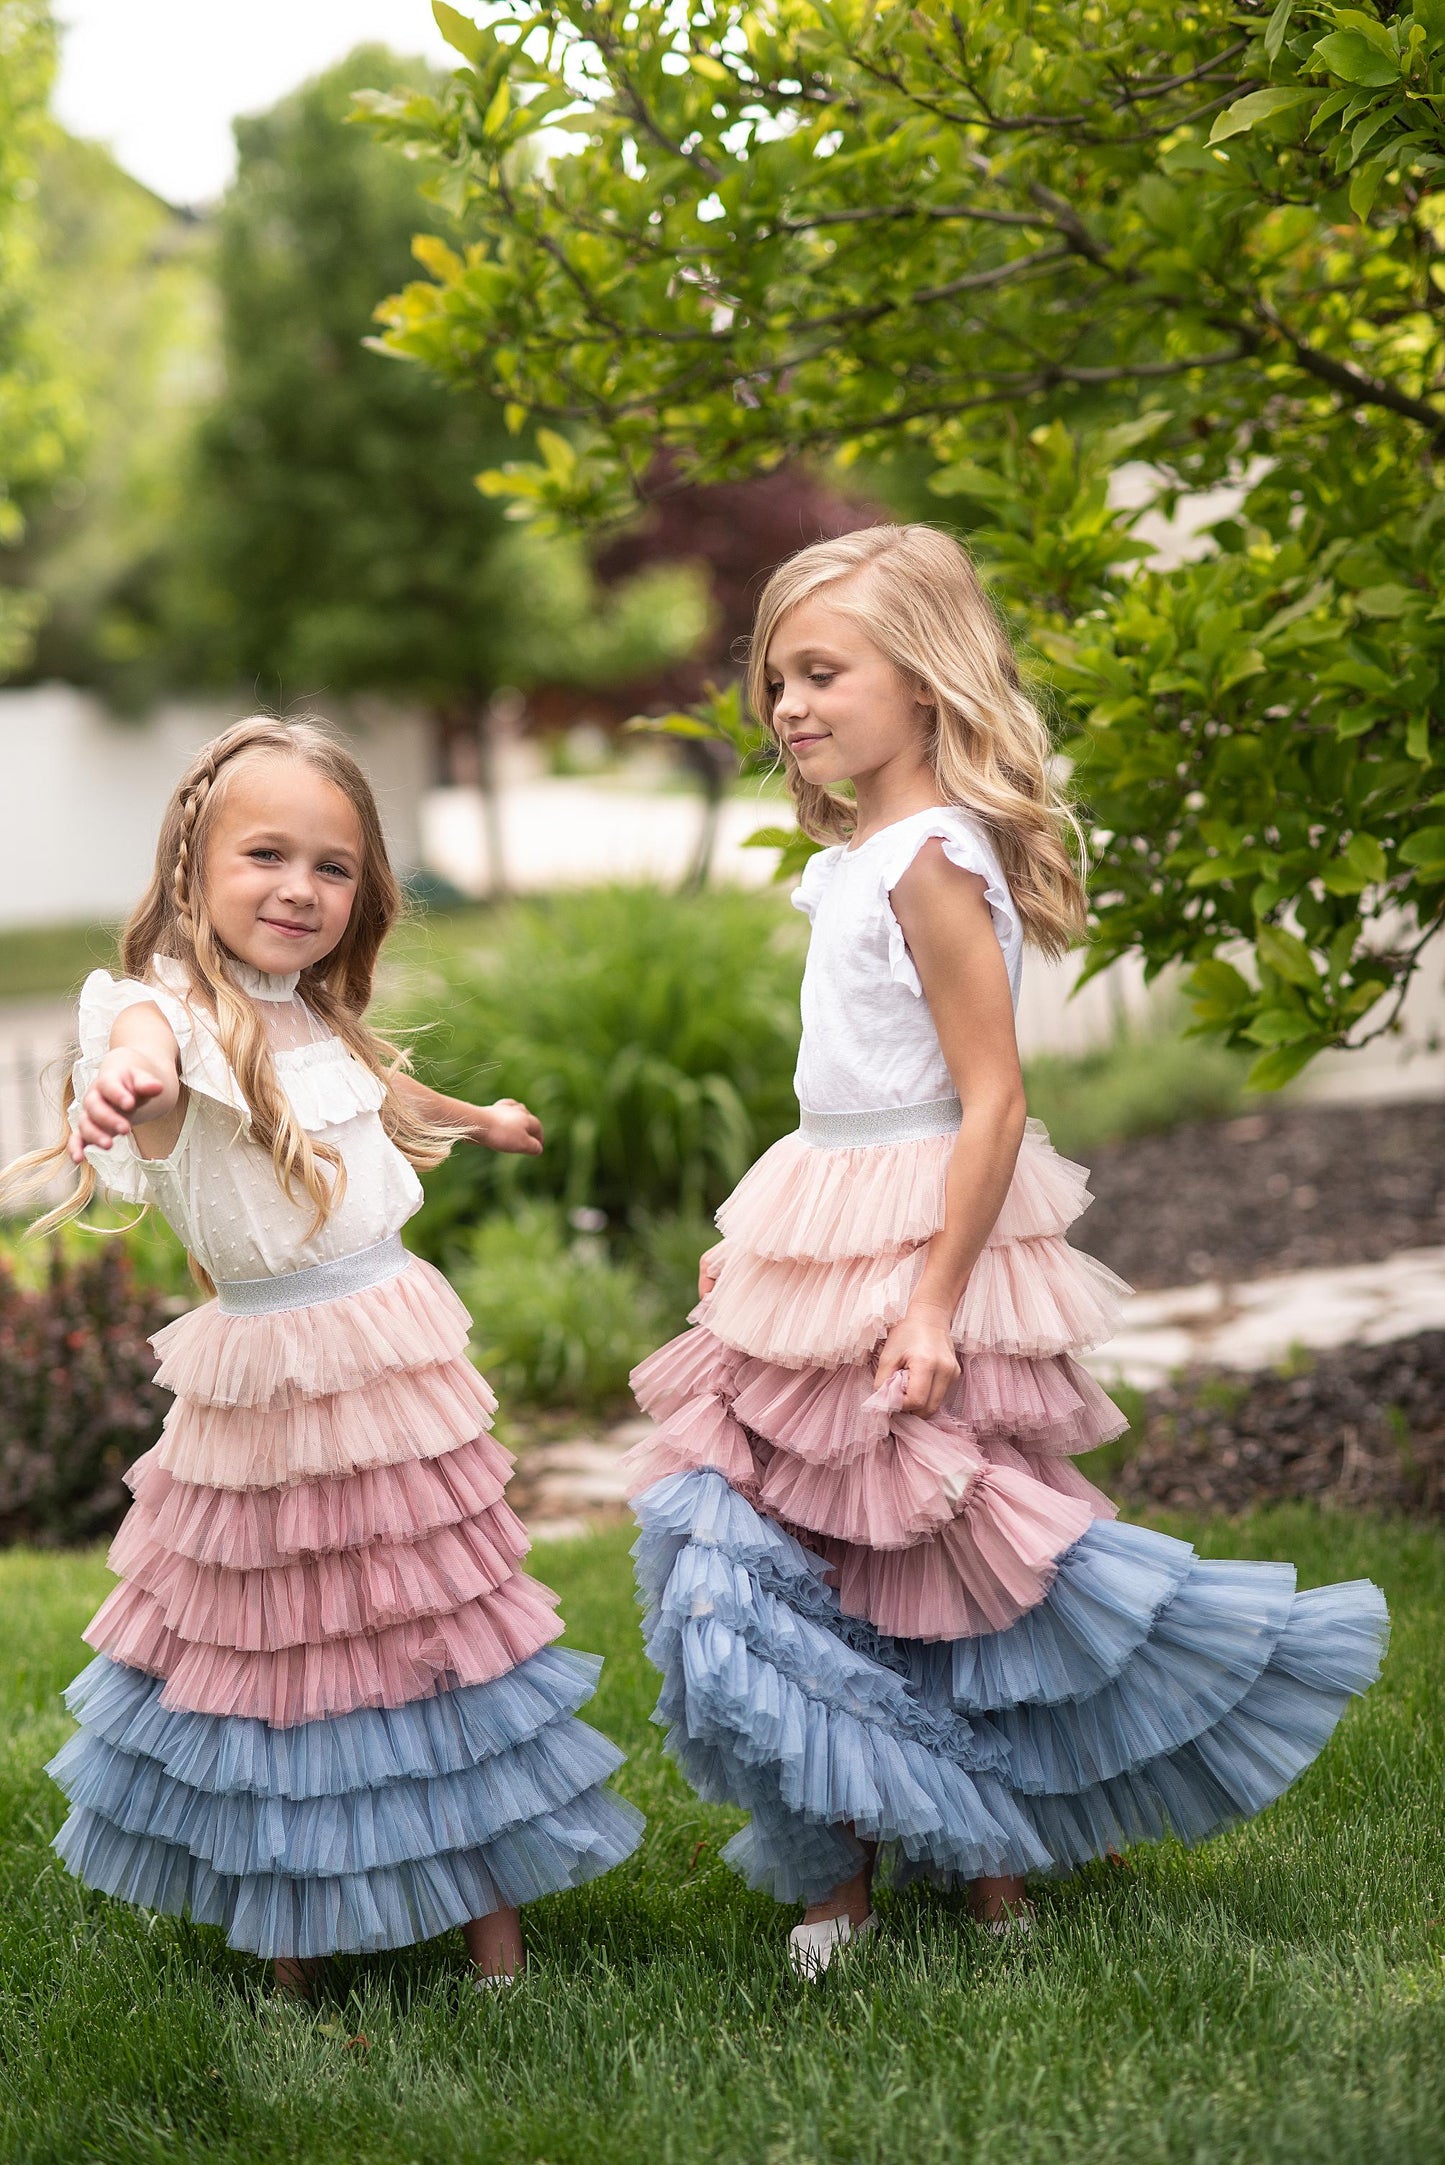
<point x="708" y="1269"/>
<point x="922" y="1345"/>
<point x="509" y="1126"/>
<point x="125" y="1082"/>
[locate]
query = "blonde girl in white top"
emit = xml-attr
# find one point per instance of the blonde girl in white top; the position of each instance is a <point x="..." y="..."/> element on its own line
<point x="325" y="1712"/>
<point x="894" y="1622"/>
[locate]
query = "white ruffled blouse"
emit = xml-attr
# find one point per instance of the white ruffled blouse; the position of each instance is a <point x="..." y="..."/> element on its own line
<point x="217" y="1188"/>
<point x="869" y="1039"/>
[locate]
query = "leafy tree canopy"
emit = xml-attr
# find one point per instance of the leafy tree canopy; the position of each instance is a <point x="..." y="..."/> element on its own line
<point x="38" y="414"/>
<point x="1018" y="242"/>
<point x="339" y="542"/>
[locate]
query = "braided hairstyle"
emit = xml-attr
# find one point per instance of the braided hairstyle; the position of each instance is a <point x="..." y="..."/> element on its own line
<point x="171" y="919"/>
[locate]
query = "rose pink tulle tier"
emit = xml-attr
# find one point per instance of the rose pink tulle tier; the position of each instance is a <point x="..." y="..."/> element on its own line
<point x="295" y="1684"/>
<point x="414" y="1414"/>
<point x="321" y="1597"/>
<point x="880" y="1198"/>
<point x="979" y="1523"/>
<point x="252" y="1529"/>
<point x="413" y="1320"/>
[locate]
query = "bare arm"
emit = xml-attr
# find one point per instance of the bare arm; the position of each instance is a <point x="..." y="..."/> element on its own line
<point x="138" y="1084"/>
<point x="955" y="949"/>
<point x="507" y="1125"/>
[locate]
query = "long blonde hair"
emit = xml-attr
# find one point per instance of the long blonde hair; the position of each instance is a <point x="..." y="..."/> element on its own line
<point x="916" y="594"/>
<point x="172" y="920"/>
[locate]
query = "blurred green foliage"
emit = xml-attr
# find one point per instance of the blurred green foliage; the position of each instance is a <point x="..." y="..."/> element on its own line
<point x="125" y="290"/>
<point x="1023" y="243"/>
<point x="337" y="539"/>
<point x="1144" y="1080"/>
<point x="558" y="1320"/>
<point x="39" y="415"/>
<point x="654" y="1035"/>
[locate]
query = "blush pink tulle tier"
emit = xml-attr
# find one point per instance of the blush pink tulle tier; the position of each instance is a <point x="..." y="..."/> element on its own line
<point x="326" y="1711"/>
<point x="935" y="1529"/>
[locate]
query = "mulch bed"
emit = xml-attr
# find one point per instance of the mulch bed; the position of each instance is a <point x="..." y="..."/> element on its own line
<point x="1288" y="1189"/>
<point x="1363" y="1426"/>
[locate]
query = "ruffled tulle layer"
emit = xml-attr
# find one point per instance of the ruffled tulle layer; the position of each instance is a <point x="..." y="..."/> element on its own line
<point x="274" y="1914"/>
<point x="935" y="1527"/>
<point x="1028" y="1299"/>
<point x="825" y="1206"/>
<point x="470" y="1645"/>
<point x="334" y="1595"/>
<point x="326" y="1713"/>
<point x="253" y="1529"/>
<point x="413" y="1320"/>
<point x="413" y="1413"/>
<point x="1149" y="1692"/>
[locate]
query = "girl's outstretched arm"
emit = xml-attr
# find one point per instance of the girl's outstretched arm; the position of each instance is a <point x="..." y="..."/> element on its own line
<point x="950" y="934"/>
<point x="507" y="1125"/>
<point x="138" y="1084"/>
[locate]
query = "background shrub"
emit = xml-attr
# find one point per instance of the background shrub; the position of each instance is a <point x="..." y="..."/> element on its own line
<point x="79" y="1402"/>
<point x="1141" y="1083"/>
<point x="557" y="1320"/>
<point x="654" y="1034"/>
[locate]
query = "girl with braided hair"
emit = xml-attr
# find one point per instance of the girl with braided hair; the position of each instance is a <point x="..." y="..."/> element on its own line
<point x="325" y="1712"/>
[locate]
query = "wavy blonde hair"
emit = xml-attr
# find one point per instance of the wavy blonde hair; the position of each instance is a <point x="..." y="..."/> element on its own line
<point x="915" y="593"/>
<point x="172" y="919"/>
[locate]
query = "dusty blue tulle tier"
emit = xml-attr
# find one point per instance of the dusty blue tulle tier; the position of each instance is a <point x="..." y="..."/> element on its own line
<point x="1151" y="1692"/>
<point x="368" y="1830"/>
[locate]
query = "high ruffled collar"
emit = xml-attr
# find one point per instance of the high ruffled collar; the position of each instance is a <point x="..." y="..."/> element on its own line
<point x="260" y="984"/>
<point x="256" y="984"/>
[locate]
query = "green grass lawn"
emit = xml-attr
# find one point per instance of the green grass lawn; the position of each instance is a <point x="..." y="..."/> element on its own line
<point x="1278" y="1996"/>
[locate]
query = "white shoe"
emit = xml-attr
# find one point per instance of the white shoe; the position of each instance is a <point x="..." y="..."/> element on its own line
<point x="494" y="1980"/>
<point x="1014" y="1924"/>
<point x="811" y="1947"/>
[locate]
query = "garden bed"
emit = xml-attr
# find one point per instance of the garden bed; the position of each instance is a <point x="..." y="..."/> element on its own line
<point x="1360" y="1427"/>
<point x="1293" y="1188"/>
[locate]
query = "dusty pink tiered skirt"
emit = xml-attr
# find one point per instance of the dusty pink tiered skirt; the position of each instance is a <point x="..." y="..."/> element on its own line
<point x="936" y="1527"/>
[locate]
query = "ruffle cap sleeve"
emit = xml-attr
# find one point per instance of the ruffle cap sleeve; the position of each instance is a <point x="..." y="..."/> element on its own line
<point x="809" y="891"/>
<point x="121" y="1170"/>
<point x="966" y="845"/>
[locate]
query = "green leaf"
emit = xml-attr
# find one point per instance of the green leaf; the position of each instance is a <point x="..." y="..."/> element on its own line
<point x="1360" y="865"/>
<point x="1246" y="113"/>
<point x="1417" y="737"/>
<point x="1214" y="979"/>
<point x="1281" y="1026"/>
<point x="1272" y="1070"/>
<point x="1388" y="600"/>
<point x="1277" y="26"/>
<point x="1366" y="184"/>
<point x="1426" y="846"/>
<point x="966" y="479"/>
<point x="462" y="34"/>
<point x="1287" y="956"/>
<point x="1248" y="662"/>
<point x="1349" y="54"/>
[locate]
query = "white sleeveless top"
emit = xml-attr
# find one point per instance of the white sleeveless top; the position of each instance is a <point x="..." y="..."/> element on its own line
<point x="868" y="1037"/>
<point x="217" y="1189"/>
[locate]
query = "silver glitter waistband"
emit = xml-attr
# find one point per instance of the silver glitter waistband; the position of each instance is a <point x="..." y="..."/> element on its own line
<point x="322" y="1282"/>
<point x="889" y="1124"/>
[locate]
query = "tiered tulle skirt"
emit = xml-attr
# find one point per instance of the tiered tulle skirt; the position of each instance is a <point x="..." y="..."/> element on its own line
<point x="326" y="1712"/>
<point x="927" y="1633"/>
